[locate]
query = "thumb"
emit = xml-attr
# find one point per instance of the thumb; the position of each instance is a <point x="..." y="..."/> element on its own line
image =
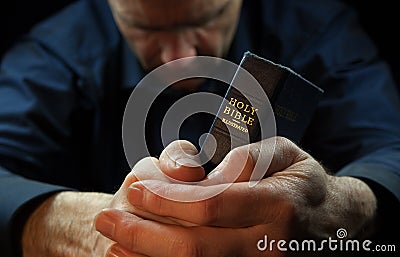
<point x="277" y="154"/>
<point x="180" y="161"/>
<point x="256" y="161"/>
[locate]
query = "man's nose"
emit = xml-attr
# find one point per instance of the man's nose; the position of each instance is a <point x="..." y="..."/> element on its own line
<point x="180" y="44"/>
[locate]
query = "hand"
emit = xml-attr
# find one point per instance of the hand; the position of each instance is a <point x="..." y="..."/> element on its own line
<point x="63" y="226"/>
<point x="296" y="199"/>
<point x="176" y="164"/>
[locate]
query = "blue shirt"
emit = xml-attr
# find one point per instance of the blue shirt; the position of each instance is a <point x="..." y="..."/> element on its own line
<point x="63" y="90"/>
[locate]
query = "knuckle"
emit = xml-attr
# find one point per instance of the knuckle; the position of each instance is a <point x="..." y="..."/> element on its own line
<point x="282" y="140"/>
<point x="143" y="161"/>
<point x="210" y="213"/>
<point x="238" y="151"/>
<point x="153" y="201"/>
<point x="158" y="199"/>
<point x="143" y="165"/>
<point x="186" y="247"/>
<point x="130" y="178"/>
<point x="128" y="234"/>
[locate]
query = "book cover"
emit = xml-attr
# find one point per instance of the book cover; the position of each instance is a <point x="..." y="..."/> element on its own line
<point x="245" y="115"/>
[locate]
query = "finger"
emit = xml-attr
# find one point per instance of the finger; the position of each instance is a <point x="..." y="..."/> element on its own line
<point x="180" y="161"/>
<point x="154" y="239"/>
<point x="128" y="231"/>
<point x="237" y="166"/>
<point x="283" y="151"/>
<point x="146" y="168"/>
<point x="235" y="206"/>
<point x="255" y="161"/>
<point x="117" y="250"/>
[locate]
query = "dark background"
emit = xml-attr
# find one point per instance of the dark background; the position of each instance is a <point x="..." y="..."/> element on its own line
<point x="380" y="18"/>
<point x="18" y="16"/>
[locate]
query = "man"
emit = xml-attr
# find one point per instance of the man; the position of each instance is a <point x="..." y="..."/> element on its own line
<point x="63" y="91"/>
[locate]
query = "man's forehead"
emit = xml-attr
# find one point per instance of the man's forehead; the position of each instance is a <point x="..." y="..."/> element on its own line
<point x="154" y="11"/>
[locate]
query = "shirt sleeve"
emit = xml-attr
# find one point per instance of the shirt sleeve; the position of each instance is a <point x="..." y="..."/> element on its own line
<point x="356" y="129"/>
<point x="12" y="215"/>
<point x="36" y="104"/>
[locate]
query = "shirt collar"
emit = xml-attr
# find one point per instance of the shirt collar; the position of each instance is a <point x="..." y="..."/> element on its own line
<point x="241" y="41"/>
<point x="132" y="72"/>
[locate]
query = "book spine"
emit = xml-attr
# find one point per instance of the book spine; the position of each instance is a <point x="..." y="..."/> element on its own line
<point x="291" y="98"/>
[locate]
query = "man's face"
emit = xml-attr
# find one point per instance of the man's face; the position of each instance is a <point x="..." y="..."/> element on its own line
<point x="159" y="31"/>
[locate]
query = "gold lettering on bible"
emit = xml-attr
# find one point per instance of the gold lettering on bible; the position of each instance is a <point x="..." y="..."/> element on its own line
<point x="240" y="113"/>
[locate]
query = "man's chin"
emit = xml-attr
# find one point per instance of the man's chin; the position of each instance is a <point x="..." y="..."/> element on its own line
<point x="191" y="84"/>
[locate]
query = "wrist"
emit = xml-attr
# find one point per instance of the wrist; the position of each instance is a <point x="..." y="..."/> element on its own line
<point x="357" y="204"/>
<point x="63" y="225"/>
<point x="388" y="211"/>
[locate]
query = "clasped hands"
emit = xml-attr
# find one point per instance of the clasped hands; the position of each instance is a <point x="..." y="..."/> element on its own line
<point x="296" y="198"/>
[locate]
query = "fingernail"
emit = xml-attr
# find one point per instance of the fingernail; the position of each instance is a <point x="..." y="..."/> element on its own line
<point x="135" y="194"/>
<point x="187" y="162"/>
<point x="105" y="225"/>
<point x="116" y="251"/>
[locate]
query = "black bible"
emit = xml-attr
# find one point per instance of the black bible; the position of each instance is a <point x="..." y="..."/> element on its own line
<point x="246" y="116"/>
